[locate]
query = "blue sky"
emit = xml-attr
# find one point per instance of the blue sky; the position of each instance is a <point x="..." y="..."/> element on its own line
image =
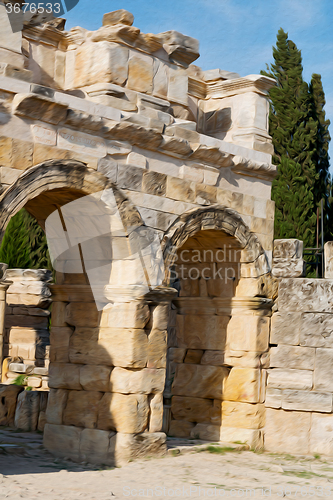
<point x="235" y="35"/>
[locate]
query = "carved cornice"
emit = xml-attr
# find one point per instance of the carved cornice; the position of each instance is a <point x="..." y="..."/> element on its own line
<point x="245" y="166"/>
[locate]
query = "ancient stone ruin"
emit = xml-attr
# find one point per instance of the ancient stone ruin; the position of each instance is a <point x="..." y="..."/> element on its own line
<point x="232" y="345"/>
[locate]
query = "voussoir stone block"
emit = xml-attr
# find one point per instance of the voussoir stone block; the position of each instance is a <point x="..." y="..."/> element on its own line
<point x="245" y="384"/>
<point x="82" y="408"/>
<point x="126" y="413"/>
<point x="287" y="431"/>
<point x="287" y="378"/>
<point x="247" y="416"/>
<point x="199" y="381"/>
<point x="145" y="381"/>
<point x="300" y="358"/>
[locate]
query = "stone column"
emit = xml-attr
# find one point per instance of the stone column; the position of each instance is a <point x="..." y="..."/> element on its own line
<point x="107" y="375"/>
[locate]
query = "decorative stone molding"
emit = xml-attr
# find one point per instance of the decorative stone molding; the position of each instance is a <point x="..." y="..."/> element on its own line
<point x="253" y="168"/>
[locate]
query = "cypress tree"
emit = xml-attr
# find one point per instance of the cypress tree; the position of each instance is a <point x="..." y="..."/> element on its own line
<point x="24" y="244"/>
<point x="293" y="132"/>
<point x="323" y="183"/>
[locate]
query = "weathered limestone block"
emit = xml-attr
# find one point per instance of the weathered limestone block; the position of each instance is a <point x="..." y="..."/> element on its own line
<point x="123" y="413"/>
<point x="145" y="381"/>
<point x="109" y="346"/>
<point x="133" y="314"/>
<point x="177" y="355"/>
<point x="300" y="358"/>
<point x="245" y="384"/>
<point x="63" y="440"/>
<point x="328" y="255"/>
<point x="202" y="331"/>
<point x="207" y="432"/>
<point x="157" y="348"/>
<point x="120" y="16"/>
<point x="192" y="409"/>
<point x="288" y="249"/>
<point x="180" y="428"/>
<point x="155" y="413"/>
<point x="288" y="258"/>
<point x="82" y="408"/>
<point x="307" y="401"/>
<point x="199" y="381"/>
<point x="285" y="268"/>
<point x="323" y="374"/>
<point x="305" y="294"/>
<point x="213" y="358"/>
<point x="179" y="189"/>
<point x="41" y="421"/>
<point x="279" y="378"/>
<point x="193" y="356"/>
<point x="316" y="330"/>
<point x="59" y="340"/>
<point x="97" y="447"/>
<point x="285" y="328"/>
<point x="244" y="415"/>
<point x="321" y="436"/>
<point x="8" y="398"/>
<point x="287" y="431"/>
<point x="95" y="378"/>
<point x="248" y="333"/>
<point x="253" y="437"/>
<point x="81" y="314"/>
<point x="273" y="398"/>
<point x="57" y="401"/>
<point x="140" y="73"/>
<point x="37" y="107"/>
<point x="147" y="444"/>
<point x="100" y="62"/>
<point x="64" y="376"/>
<point x="246" y="359"/>
<point x="265" y="286"/>
<point x="27" y="410"/>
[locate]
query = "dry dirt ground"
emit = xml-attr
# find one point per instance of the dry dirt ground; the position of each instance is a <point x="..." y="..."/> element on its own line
<point x="190" y="470"/>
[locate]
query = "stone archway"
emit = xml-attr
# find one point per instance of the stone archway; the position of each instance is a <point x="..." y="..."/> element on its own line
<point x="219" y="329"/>
<point x="107" y="368"/>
